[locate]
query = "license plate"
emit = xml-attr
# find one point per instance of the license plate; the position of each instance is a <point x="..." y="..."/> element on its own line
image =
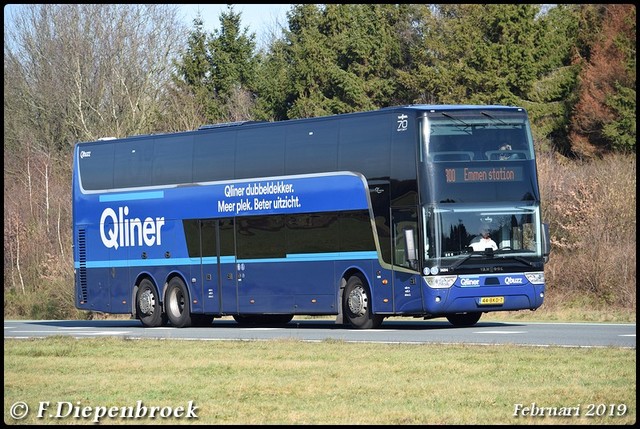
<point x="492" y="300"/>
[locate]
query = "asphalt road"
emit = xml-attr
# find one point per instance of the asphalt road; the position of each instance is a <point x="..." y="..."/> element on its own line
<point x="407" y="331"/>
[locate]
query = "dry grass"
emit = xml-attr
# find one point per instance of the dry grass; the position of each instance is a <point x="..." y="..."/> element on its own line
<point x="591" y="209"/>
<point x="331" y="382"/>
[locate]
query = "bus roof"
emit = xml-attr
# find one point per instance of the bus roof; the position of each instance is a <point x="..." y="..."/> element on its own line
<point x="251" y="123"/>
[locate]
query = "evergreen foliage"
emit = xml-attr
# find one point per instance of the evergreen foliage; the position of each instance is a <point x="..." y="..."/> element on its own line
<point x="219" y="69"/>
<point x="338" y="58"/>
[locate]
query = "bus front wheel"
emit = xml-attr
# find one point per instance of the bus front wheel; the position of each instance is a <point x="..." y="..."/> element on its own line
<point x="177" y="303"/>
<point x="461" y="320"/>
<point x="148" y="308"/>
<point x="357" y="305"/>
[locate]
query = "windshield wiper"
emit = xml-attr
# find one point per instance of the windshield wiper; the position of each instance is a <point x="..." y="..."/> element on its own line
<point x="489" y="253"/>
<point x="493" y="118"/>
<point x="518" y="258"/>
<point x="466" y="126"/>
<point x="506" y="253"/>
<point x="466" y="258"/>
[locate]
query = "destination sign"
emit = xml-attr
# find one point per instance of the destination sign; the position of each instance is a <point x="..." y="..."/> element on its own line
<point x="483" y="174"/>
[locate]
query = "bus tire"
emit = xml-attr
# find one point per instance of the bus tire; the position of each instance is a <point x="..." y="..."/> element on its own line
<point x="356" y="303"/>
<point x="246" y="319"/>
<point x="177" y="303"/>
<point x="148" y="308"/>
<point x="462" y="320"/>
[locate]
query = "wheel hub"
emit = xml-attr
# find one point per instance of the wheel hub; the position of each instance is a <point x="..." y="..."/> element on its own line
<point x="357" y="301"/>
<point x="146" y="302"/>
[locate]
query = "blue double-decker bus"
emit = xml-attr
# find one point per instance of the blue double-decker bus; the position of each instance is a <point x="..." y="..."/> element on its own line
<point x="422" y="211"/>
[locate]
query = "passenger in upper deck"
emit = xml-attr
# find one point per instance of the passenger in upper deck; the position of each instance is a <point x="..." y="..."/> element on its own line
<point x="505" y="147"/>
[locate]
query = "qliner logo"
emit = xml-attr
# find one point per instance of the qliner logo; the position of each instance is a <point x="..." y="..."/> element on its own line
<point x="116" y="230"/>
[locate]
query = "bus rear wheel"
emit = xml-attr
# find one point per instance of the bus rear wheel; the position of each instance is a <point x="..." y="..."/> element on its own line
<point x="177" y="303"/>
<point x="461" y="320"/>
<point x="357" y="305"/>
<point x="148" y="308"/>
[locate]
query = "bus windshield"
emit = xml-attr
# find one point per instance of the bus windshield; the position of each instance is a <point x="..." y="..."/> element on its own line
<point x="458" y="231"/>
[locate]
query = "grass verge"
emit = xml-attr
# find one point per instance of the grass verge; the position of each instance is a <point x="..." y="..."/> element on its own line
<point x="331" y="382"/>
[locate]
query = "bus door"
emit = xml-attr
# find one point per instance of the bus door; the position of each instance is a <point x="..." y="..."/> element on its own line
<point x="406" y="277"/>
<point x="219" y="285"/>
<point x="380" y="201"/>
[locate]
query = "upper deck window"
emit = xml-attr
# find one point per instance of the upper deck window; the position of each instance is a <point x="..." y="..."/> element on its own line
<point x="477" y="135"/>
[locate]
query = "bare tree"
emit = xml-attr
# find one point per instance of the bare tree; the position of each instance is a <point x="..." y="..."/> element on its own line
<point x="84" y="71"/>
<point x="73" y="72"/>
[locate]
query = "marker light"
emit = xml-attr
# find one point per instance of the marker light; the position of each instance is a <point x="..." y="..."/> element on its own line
<point x="433" y="271"/>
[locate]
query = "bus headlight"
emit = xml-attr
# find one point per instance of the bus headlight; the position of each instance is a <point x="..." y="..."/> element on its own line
<point x="536" y="278"/>
<point x="441" y="282"/>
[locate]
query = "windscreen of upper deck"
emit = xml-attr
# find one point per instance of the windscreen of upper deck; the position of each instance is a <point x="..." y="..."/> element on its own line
<point x="477" y="155"/>
<point x="477" y="135"/>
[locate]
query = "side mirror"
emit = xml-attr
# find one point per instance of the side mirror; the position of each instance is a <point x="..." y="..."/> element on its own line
<point x="411" y="255"/>
<point x="546" y="242"/>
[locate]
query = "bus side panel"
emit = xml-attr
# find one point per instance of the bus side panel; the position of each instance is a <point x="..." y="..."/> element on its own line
<point x="264" y="287"/>
<point x="286" y="287"/>
<point x="92" y="270"/>
<point x="408" y="292"/>
<point x="120" y="290"/>
<point x="381" y="289"/>
<point x="97" y="296"/>
<point x="315" y="290"/>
